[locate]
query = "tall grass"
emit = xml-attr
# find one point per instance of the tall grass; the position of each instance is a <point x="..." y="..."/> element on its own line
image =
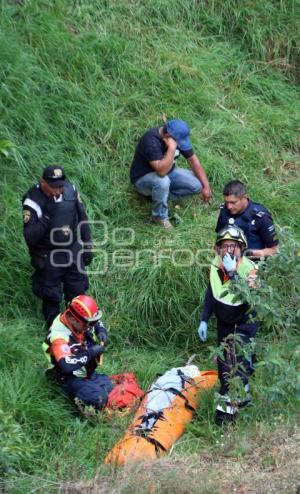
<point x="80" y="82"/>
<point x="268" y="31"/>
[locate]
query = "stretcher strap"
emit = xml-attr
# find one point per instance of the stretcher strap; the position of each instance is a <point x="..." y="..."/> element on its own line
<point x="178" y="393"/>
<point x="152" y="415"/>
<point x="143" y="433"/>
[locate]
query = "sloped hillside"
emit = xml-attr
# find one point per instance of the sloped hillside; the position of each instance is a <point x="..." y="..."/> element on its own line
<point x="80" y="82"/>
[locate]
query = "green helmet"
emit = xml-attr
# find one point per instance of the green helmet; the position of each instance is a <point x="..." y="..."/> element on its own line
<point x="231" y="232"/>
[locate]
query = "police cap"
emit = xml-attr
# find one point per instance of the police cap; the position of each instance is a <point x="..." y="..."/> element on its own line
<point x="54" y="175"/>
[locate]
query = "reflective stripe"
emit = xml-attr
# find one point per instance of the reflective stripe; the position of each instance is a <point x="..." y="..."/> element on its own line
<point x="75" y="360"/>
<point x="33" y="205"/>
<point x="230" y="410"/>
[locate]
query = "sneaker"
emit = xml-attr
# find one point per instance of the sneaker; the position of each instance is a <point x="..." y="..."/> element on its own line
<point x="226" y="412"/>
<point x="165" y="223"/>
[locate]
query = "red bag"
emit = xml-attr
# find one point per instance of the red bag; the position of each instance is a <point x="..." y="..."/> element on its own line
<point x="126" y="392"/>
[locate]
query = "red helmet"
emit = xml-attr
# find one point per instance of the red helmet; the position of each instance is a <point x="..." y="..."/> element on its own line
<point x="85" y="308"/>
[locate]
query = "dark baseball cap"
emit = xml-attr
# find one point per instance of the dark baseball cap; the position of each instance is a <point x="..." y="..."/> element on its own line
<point x="54" y="176"/>
<point x="180" y="131"/>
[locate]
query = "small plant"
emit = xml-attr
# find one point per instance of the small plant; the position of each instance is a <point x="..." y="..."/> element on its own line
<point x="236" y="355"/>
<point x="4" y="147"/>
<point x="276" y="298"/>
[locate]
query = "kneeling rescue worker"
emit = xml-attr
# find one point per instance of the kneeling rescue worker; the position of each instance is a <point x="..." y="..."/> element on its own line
<point x="235" y="324"/>
<point x="73" y="353"/>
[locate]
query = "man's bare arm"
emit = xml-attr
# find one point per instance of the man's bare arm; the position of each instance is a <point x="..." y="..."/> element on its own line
<point x="267" y="251"/>
<point x="201" y="175"/>
<point x="163" y="166"/>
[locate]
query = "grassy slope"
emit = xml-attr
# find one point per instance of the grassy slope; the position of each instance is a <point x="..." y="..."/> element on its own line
<point x="80" y="82"/>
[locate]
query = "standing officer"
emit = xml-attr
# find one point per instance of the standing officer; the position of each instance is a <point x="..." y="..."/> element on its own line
<point x="154" y="174"/>
<point x="52" y="216"/>
<point x="253" y="218"/>
<point x="236" y="326"/>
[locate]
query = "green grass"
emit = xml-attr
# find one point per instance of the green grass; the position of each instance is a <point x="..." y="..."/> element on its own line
<point x="80" y="82"/>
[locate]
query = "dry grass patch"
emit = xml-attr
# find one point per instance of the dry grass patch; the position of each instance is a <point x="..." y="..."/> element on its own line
<point x="267" y="464"/>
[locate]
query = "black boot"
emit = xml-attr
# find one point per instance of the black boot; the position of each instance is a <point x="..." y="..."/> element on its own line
<point x="223" y="418"/>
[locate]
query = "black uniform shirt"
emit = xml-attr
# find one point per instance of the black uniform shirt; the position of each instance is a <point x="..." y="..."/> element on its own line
<point x="256" y="222"/>
<point x="37" y="221"/>
<point x="151" y="147"/>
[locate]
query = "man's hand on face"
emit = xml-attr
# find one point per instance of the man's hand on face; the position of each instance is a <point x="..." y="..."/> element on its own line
<point x="170" y="143"/>
<point x="229" y="262"/>
<point x="206" y="194"/>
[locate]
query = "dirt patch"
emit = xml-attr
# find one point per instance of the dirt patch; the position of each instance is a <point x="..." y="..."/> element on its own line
<point x="287" y="171"/>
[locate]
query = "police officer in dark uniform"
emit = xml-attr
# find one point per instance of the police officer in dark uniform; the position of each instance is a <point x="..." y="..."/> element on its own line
<point x="253" y="218"/>
<point x="55" y="222"/>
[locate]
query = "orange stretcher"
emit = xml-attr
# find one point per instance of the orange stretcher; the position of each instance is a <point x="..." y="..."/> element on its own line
<point x="153" y="432"/>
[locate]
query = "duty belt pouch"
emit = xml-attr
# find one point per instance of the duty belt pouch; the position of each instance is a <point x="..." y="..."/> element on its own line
<point x="38" y="261"/>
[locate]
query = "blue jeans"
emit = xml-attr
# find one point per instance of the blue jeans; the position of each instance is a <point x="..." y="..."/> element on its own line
<point x="178" y="183"/>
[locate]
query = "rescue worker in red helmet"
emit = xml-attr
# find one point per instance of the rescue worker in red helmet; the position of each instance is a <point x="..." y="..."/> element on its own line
<point x="235" y="323"/>
<point x="72" y="352"/>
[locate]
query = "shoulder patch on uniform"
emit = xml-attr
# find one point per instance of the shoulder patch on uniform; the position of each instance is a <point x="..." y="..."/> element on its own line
<point x="260" y="214"/>
<point x="26" y="215"/>
<point x="222" y="206"/>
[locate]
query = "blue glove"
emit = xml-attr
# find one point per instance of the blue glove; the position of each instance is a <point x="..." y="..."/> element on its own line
<point x="229" y="263"/>
<point x="95" y="351"/>
<point x="202" y="331"/>
<point x="101" y="332"/>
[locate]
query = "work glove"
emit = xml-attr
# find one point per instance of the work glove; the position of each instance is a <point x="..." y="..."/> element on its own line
<point x="87" y="254"/>
<point x="202" y="331"/>
<point x="101" y="333"/>
<point x="95" y="351"/>
<point x="229" y="262"/>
